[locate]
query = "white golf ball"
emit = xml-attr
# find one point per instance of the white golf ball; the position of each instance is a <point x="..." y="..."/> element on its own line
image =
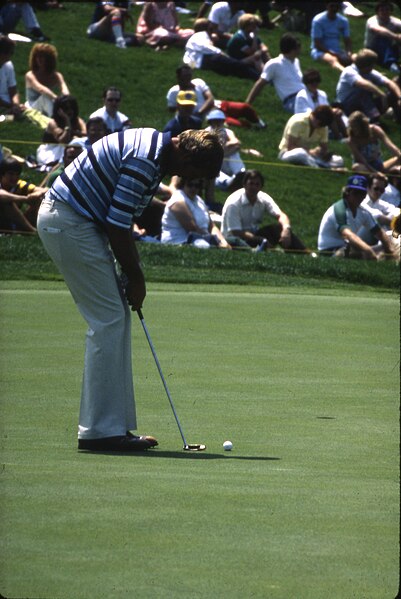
<point x="227" y="445"/>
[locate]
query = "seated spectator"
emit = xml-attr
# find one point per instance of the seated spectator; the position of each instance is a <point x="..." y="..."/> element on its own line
<point x="382" y="211"/>
<point x="70" y="153"/>
<point x="359" y="88"/>
<point x="186" y="219"/>
<point x="338" y="231"/>
<point x="328" y="28"/>
<point x="233" y="168"/>
<point x="311" y="96"/>
<point x="12" y="12"/>
<point x="108" y="23"/>
<point x="95" y="130"/>
<point x="245" y="45"/>
<point x="201" y="53"/>
<point x="244" y="212"/>
<point x="9" y="97"/>
<point x="305" y="139"/>
<point x="184" y="118"/>
<point x="284" y="72"/>
<point x="14" y="192"/>
<point x="238" y="114"/>
<point x="113" y="118"/>
<point x="392" y="193"/>
<point x="64" y="125"/>
<point x="365" y="141"/>
<point x="383" y="36"/>
<point x="224" y="15"/>
<point x="43" y="83"/>
<point x="158" y="23"/>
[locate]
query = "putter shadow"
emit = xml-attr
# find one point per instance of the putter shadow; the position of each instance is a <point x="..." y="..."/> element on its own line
<point x="186" y="455"/>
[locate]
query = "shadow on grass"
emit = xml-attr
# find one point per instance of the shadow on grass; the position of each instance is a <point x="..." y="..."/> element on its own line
<point x="195" y="455"/>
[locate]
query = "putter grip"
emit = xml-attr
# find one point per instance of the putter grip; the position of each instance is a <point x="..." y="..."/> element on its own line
<point x="139" y="311"/>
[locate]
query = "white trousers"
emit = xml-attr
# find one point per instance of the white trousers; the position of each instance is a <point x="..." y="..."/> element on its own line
<point x="81" y="252"/>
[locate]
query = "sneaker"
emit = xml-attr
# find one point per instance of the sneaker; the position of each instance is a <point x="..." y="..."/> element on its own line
<point x="120" y="43"/>
<point x="38" y="36"/>
<point x="262" y="246"/>
<point x="394" y="68"/>
<point x="260" y="124"/>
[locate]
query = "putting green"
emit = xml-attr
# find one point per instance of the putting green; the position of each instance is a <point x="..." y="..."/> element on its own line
<point x="305" y="506"/>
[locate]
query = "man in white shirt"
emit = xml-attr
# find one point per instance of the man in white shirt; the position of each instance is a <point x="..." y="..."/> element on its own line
<point x="114" y="120"/>
<point x="225" y="16"/>
<point x="284" y="72"/>
<point x="243" y="214"/>
<point x="9" y="98"/>
<point x="338" y="231"/>
<point x="382" y="211"/>
<point x="383" y="36"/>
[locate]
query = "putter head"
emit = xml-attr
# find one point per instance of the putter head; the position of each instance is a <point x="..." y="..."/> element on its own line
<point x="194" y="447"/>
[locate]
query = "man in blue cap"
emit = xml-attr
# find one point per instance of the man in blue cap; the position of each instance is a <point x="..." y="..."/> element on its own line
<point x="338" y="231"/>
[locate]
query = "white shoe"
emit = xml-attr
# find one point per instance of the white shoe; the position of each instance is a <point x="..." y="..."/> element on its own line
<point x="120" y="43"/>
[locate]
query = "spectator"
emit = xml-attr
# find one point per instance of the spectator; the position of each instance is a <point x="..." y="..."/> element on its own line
<point x="284" y="72"/>
<point x="95" y="130"/>
<point x="233" y="168"/>
<point x="383" y="36"/>
<point x="201" y="53"/>
<point x="14" y="192"/>
<point x="70" y="153"/>
<point x="158" y="23"/>
<point x="43" y="83"/>
<point x="224" y="15"/>
<point x="245" y="210"/>
<point x="311" y="97"/>
<point x="184" y="118"/>
<point x="359" y="88"/>
<point x="338" y="231"/>
<point x="113" y="118"/>
<point x="239" y="114"/>
<point x="392" y="193"/>
<point x="382" y="211"/>
<point x="186" y="219"/>
<point x="245" y="45"/>
<point x="108" y="23"/>
<point x="328" y="28"/>
<point x="64" y="125"/>
<point x="9" y="97"/>
<point x="365" y="141"/>
<point x="301" y="134"/>
<point x="12" y="12"/>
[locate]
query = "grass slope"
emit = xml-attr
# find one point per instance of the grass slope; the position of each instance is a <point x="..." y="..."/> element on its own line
<point x="306" y="506"/>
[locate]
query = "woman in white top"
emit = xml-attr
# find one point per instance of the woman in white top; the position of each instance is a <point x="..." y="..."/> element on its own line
<point x="186" y="219"/>
<point x="43" y="83"/>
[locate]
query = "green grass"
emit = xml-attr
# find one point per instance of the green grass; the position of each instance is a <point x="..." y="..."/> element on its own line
<point x="306" y="505"/>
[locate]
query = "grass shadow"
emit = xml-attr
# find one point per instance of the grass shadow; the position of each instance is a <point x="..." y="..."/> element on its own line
<point x="201" y="455"/>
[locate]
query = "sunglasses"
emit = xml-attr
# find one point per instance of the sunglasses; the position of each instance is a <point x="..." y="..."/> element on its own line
<point x="113" y="99"/>
<point x="379" y="188"/>
<point x="193" y="183"/>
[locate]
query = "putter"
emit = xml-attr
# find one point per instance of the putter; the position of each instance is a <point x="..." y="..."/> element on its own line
<point x="187" y="446"/>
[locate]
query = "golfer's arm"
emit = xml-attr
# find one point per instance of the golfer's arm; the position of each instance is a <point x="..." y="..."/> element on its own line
<point x="255" y="91"/>
<point x="125" y="251"/>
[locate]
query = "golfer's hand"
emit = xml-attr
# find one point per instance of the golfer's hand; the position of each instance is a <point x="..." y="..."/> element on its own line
<point x="135" y="292"/>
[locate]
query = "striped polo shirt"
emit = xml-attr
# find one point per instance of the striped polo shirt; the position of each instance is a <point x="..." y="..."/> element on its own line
<point x="115" y="179"/>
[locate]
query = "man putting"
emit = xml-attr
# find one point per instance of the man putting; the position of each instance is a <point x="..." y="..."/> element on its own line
<point x="85" y="224"/>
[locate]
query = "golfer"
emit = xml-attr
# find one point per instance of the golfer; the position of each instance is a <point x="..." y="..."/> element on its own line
<point x="85" y="223"/>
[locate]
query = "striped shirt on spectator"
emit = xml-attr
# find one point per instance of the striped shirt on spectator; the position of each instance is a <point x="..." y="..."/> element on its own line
<point x="115" y="179"/>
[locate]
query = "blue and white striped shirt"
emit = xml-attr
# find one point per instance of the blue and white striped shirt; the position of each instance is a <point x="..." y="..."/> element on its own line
<point x="115" y="179"/>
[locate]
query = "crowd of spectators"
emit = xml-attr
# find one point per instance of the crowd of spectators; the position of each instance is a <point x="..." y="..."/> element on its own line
<point x="225" y="38"/>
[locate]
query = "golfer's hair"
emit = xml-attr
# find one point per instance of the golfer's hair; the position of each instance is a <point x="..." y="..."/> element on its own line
<point x="365" y="58"/>
<point x="200" y="24"/>
<point x="46" y="51"/>
<point x="10" y="165"/>
<point x="311" y="75"/>
<point x="248" y="19"/>
<point x="383" y="4"/>
<point x="204" y="147"/>
<point x="111" y="88"/>
<point x="253" y="174"/>
<point x="324" y="114"/>
<point x="358" y="120"/>
<point x="376" y="177"/>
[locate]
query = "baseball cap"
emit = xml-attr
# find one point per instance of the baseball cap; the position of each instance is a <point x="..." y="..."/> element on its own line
<point x="216" y="115"/>
<point x="357" y="182"/>
<point x="186" y="98"/>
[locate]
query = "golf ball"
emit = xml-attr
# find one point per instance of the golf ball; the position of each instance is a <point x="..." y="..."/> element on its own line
<point x="227" y="445"/>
